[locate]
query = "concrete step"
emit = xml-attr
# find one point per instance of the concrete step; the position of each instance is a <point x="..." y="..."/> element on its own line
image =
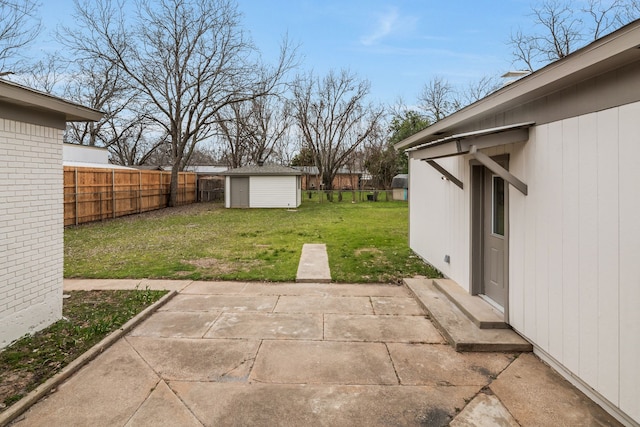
<point x="460" y="332"/>
<point x="314" y="264"/>
<point x="477" y="310"/>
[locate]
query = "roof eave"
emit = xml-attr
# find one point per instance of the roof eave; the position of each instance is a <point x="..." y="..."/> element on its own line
<point x="21" y="95"/>
<point x="621" y="45"/>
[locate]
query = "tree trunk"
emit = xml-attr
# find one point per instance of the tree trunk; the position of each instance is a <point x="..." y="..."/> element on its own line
<point x="327" y="180"/>
<point x="173" y="187"/>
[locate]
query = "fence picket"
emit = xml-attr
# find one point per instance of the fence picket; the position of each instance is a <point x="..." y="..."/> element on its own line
<point x="128" y="191"/>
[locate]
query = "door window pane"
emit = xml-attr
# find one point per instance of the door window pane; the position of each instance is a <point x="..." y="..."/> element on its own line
<point x="498" y="206"/>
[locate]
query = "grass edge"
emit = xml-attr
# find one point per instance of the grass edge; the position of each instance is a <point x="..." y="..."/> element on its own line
<point x="36" y="394"/>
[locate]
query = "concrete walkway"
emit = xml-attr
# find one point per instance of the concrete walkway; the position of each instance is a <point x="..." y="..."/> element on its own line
<point x="313" y="266"/>
<point x="226" y="353"/>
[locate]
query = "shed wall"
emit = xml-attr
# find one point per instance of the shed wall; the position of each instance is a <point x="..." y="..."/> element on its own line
<point x="274" y="192"/>
<point x="31" y="228"/>
<point x="227" y="192"/>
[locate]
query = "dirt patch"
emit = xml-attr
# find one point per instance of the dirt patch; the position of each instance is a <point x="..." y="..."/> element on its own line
<point x="89" y="316"/>
<point x="210" y="263"/>
<point x="190" y="209"/>
<point x="222" y="267"/>
<point x="362" y="251"/>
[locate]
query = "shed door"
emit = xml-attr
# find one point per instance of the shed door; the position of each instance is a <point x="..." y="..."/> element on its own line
<point x="240" y="192"/>
<point x="494" y="230"/>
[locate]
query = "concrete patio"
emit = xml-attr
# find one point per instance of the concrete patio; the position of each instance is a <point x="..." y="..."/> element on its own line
<point x="227" y="353"/>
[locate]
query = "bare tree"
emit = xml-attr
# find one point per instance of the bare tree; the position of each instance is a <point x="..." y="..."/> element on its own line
<point x="478" y="89"/>
<point x="438" y="99"/>
<point x="604" y="17"/>
<point x="101" y="85"/>
<point x="44" y="75"/>
<point x="252" y="131"/>
<point x="631" y="12"/>
<point x="334" y="118"/>
<point x="132" y="145"/>
<point x="267" y="127"/>
<point x="19" y="26"/>
<point x="233" y="133"/>
<point x="559" y="28"/>
<point x="187" y="58"/>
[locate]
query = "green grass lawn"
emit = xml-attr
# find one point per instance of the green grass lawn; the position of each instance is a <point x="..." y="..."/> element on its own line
<point x="366" y="242"/>
<point x="89" y="316"/>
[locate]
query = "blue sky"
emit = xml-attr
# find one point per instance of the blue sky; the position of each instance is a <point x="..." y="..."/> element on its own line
<point x="397" y="45"/>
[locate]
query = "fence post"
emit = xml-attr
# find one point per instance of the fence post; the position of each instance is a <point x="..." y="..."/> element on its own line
<point x="139" y="191"/>
<point x="75" y="195"/>
<point x="113" y="192"/>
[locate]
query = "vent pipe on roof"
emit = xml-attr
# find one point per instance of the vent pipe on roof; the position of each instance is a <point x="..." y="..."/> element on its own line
<point x="512" y="76"/>
<point x="260" y="162"/>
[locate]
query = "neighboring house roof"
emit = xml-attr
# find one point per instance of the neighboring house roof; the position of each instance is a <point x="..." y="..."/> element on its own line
<point x="73" y="164"/>
<point x="608" y="53"/>
<point x="13" y="93"/>
<point x="400" y="181"/>
<point x="149" y="167"/>
<point x="313" y="170"/>
<point x="202" y="169"/>
<point x="253" y="170"/>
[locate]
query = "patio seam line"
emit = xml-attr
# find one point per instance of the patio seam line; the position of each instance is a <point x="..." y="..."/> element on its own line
<point x="167" y="382"/>
<point x="212" y="325"/>
<point x="273" y="309"/>
<point x="250" y="374"/>
<point x="393" y="365"/>
<point x="503" y="404"/>
<point x="488" y="386"/>
<point x="42" y="390"/>
<point x="145" y="399"/>
<point x="516" y="356"/>
<point x="324" y="324"/>
<point x="135" y="350"/>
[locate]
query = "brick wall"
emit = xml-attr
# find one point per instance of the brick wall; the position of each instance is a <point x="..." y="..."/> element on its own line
<point x="31" y="228"/>
<point x="340" y="181"/>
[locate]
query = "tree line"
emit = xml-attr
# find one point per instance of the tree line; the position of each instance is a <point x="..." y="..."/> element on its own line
<point x="180" y="82"/>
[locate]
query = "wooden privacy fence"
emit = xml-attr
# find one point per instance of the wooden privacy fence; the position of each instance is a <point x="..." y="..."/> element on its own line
<point x="92" y="194"/>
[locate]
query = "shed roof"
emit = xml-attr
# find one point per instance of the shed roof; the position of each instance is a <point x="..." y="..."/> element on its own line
<point x="400" y="181"/>
<point x="253" y="170"/>
<point x="15" y="94"/>
<point x="607" y="53"/>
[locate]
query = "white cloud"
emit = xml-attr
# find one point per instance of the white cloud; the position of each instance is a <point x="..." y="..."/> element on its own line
<point x="387" y="24"/>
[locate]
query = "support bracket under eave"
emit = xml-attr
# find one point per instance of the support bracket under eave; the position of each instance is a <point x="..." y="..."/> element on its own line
<point x="498" y="170"/>
<point x="444" y="172"/>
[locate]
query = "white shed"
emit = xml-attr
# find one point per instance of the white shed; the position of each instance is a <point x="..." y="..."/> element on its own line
<point x="267" y="186"/>
<point x="31" y="207"/>
<point x="400" y="187"/>
<point x="530" y="197"/>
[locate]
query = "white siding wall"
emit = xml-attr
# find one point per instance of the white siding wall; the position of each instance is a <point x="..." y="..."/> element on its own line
<point x="273" y="192"/>
<point x="31" y="228"/>
<point x="227" y="191"/>
<point x="574" y="268"/>
<point x="576" y="238"/>
<point x="439" y="217"/>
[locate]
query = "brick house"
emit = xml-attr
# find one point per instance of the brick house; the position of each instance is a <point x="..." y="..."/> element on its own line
<point x="31" y="207"/>
<point x="345" y="179"/>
